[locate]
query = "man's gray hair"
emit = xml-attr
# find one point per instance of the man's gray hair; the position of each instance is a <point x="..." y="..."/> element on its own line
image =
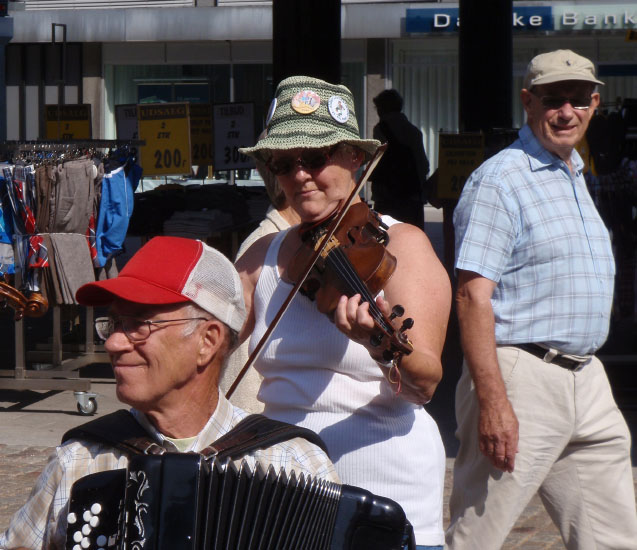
<point x="231" y="336"/>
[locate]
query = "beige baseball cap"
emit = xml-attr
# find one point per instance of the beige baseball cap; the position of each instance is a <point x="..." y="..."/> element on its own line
<point x="557" y="66"/>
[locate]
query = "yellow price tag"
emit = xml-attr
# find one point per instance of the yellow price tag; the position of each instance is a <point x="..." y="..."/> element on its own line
<point x="458" y="156"/>
<point x="165" y="128"/>
<point x="68" y="121"/>
<point x="201" y="133"/>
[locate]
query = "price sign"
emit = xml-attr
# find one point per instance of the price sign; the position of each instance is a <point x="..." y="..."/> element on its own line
<point x="68" y="121"/>
<point x="201" y="133"/>
<point x="234" y="128"/>
<point x="126" y="122"/>
<point x="458" y="156"/>
<point x="165" y="128"/>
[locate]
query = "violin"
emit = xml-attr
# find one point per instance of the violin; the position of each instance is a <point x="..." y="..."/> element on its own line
<point x="33" y="306"/>
<point x="355" y="260"/>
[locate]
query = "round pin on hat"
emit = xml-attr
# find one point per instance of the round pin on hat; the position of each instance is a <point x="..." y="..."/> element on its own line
<point x="337" y="107"/>
<point x="271" y="110"/>
<point x="306" y="102"/>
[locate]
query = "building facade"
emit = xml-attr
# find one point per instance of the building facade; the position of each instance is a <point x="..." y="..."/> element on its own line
<point x="108" y="53"/>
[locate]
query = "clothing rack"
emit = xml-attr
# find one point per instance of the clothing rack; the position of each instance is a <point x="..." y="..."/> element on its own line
<point x="61" y="376"/>
<point x="54" y="145"/>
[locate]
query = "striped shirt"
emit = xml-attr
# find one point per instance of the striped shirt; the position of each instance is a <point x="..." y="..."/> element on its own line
<point x="41" y="522"/>
<point x="527" y="223"/>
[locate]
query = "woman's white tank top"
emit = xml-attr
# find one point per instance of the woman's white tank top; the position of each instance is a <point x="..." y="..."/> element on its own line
<point x="315" y="377"/>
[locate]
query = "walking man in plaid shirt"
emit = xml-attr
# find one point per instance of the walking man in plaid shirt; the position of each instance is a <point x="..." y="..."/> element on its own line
<point x="535" y="271"/>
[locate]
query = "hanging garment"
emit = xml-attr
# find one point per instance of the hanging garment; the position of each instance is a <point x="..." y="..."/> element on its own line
<point x="116" y="208"/>
<point x="7" y="266"/>
<point x="73" y="196"/>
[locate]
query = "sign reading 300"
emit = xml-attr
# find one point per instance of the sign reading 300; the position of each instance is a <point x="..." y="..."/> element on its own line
<point x="166" y="129"/>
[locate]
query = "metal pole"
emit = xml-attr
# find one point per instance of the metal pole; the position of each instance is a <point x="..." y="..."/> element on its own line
<point x="62" y="83"/>
<point x="232" y="171"/>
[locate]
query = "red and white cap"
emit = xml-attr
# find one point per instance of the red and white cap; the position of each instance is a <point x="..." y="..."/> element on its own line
<point x="172" y="270"/>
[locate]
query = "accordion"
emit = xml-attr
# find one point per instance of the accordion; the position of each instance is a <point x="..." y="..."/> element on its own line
<point x="185" y="502"/>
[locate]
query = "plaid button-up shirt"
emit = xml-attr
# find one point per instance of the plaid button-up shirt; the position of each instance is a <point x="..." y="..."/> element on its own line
<point x="529" y="224"/>
<point x="41" y="523"/>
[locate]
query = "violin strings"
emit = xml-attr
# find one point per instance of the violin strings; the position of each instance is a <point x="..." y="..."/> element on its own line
<point x="343" y="266"/>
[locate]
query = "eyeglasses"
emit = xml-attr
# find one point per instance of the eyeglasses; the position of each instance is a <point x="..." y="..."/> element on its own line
<point x="550" y="102"/>
<point x="312" y="159"/>
<point x="136" y="330"/>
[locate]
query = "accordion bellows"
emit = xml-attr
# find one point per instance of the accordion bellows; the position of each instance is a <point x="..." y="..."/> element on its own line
<point x="185" y="502"/>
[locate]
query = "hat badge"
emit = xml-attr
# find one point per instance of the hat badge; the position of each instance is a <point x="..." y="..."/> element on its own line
<point x="338" y="108"/>
<point x="271" y="110"/>
<point x="306" y="102"/>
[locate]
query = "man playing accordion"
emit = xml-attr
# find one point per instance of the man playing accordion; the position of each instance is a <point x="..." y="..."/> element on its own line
<point x="173" y="318"/>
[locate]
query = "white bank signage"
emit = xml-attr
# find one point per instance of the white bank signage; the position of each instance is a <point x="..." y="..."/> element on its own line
<point x="533" y="18"/>
<point x="601" y="17"/>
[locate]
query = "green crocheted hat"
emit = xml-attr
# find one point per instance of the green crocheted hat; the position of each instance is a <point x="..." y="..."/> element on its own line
<point x="310" y="113"/>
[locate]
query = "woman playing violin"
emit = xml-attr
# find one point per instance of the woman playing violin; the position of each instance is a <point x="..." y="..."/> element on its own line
<point x="323" y="371"/>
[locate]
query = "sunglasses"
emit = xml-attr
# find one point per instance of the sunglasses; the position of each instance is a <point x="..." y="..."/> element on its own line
<point x="550" y="102"/>
<point x="311" y="159"/>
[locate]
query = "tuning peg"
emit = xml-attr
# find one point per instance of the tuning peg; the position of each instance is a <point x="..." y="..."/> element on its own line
<point x="397" y="311"/>
<point x="407" y="324"/>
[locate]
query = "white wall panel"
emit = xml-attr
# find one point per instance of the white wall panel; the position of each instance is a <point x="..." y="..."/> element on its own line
<point x="50" y="95"/>
<point x="13" y="112"/>
<point x="32" y="112"/>
<point x="71" y="95"/>
<point x="428" y="82"/>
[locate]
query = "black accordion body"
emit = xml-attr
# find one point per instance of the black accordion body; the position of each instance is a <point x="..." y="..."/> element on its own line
<point x="186" y="502"/>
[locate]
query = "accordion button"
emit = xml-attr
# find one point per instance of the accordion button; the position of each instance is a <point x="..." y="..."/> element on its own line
<point x="87" y="516"/>
<point x="96" y="508"/>
<point x="85" y="542"/>
<point x="94" y="521"/>
<point x="77" y="536"/>
<point x="71" y="518"/>
<point x="101" y="540"/>
<point x="77" y="547"/>
<point x="86" y="529"/>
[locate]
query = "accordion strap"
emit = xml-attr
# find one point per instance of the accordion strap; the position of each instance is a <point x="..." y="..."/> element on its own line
<point x="258" y="432"/>
<point x="121" y="430"/>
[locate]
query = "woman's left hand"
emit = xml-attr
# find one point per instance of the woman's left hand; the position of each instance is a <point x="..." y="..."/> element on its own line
<point x="352" y="318"/>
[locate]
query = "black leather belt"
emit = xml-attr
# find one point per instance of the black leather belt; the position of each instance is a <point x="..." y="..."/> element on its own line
<point x="541" y="352"/>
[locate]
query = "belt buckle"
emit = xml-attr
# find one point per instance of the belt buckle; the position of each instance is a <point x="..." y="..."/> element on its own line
<point x="549" y="356"/>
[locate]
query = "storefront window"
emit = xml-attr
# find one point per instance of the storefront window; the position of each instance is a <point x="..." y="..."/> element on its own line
<point x="191" y="83"/>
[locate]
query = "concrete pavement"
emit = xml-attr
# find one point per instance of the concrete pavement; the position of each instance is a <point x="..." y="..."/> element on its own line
<point x="32" y="423"/>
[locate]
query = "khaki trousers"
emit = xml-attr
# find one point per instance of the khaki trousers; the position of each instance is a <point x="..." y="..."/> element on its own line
<point x="574" y="450"/>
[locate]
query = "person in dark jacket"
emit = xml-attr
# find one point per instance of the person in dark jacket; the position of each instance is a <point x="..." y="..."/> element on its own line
<point x="399" y="180"/>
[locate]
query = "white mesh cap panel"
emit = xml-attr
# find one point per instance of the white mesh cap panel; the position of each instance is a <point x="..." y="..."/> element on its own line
<point x="214" y="285"/>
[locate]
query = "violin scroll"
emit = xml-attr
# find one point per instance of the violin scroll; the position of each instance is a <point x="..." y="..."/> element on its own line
<point x="37" y="305"/>
<point x="394" y="342"/>
<point x="33" y="306"/>
<point x="11" y="297"/>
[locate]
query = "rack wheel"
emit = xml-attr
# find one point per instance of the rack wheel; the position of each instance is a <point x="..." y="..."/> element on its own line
<point x="89" y="409"/>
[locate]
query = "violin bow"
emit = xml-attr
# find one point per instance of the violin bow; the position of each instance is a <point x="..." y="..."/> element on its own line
<point x="317" y="252"/>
